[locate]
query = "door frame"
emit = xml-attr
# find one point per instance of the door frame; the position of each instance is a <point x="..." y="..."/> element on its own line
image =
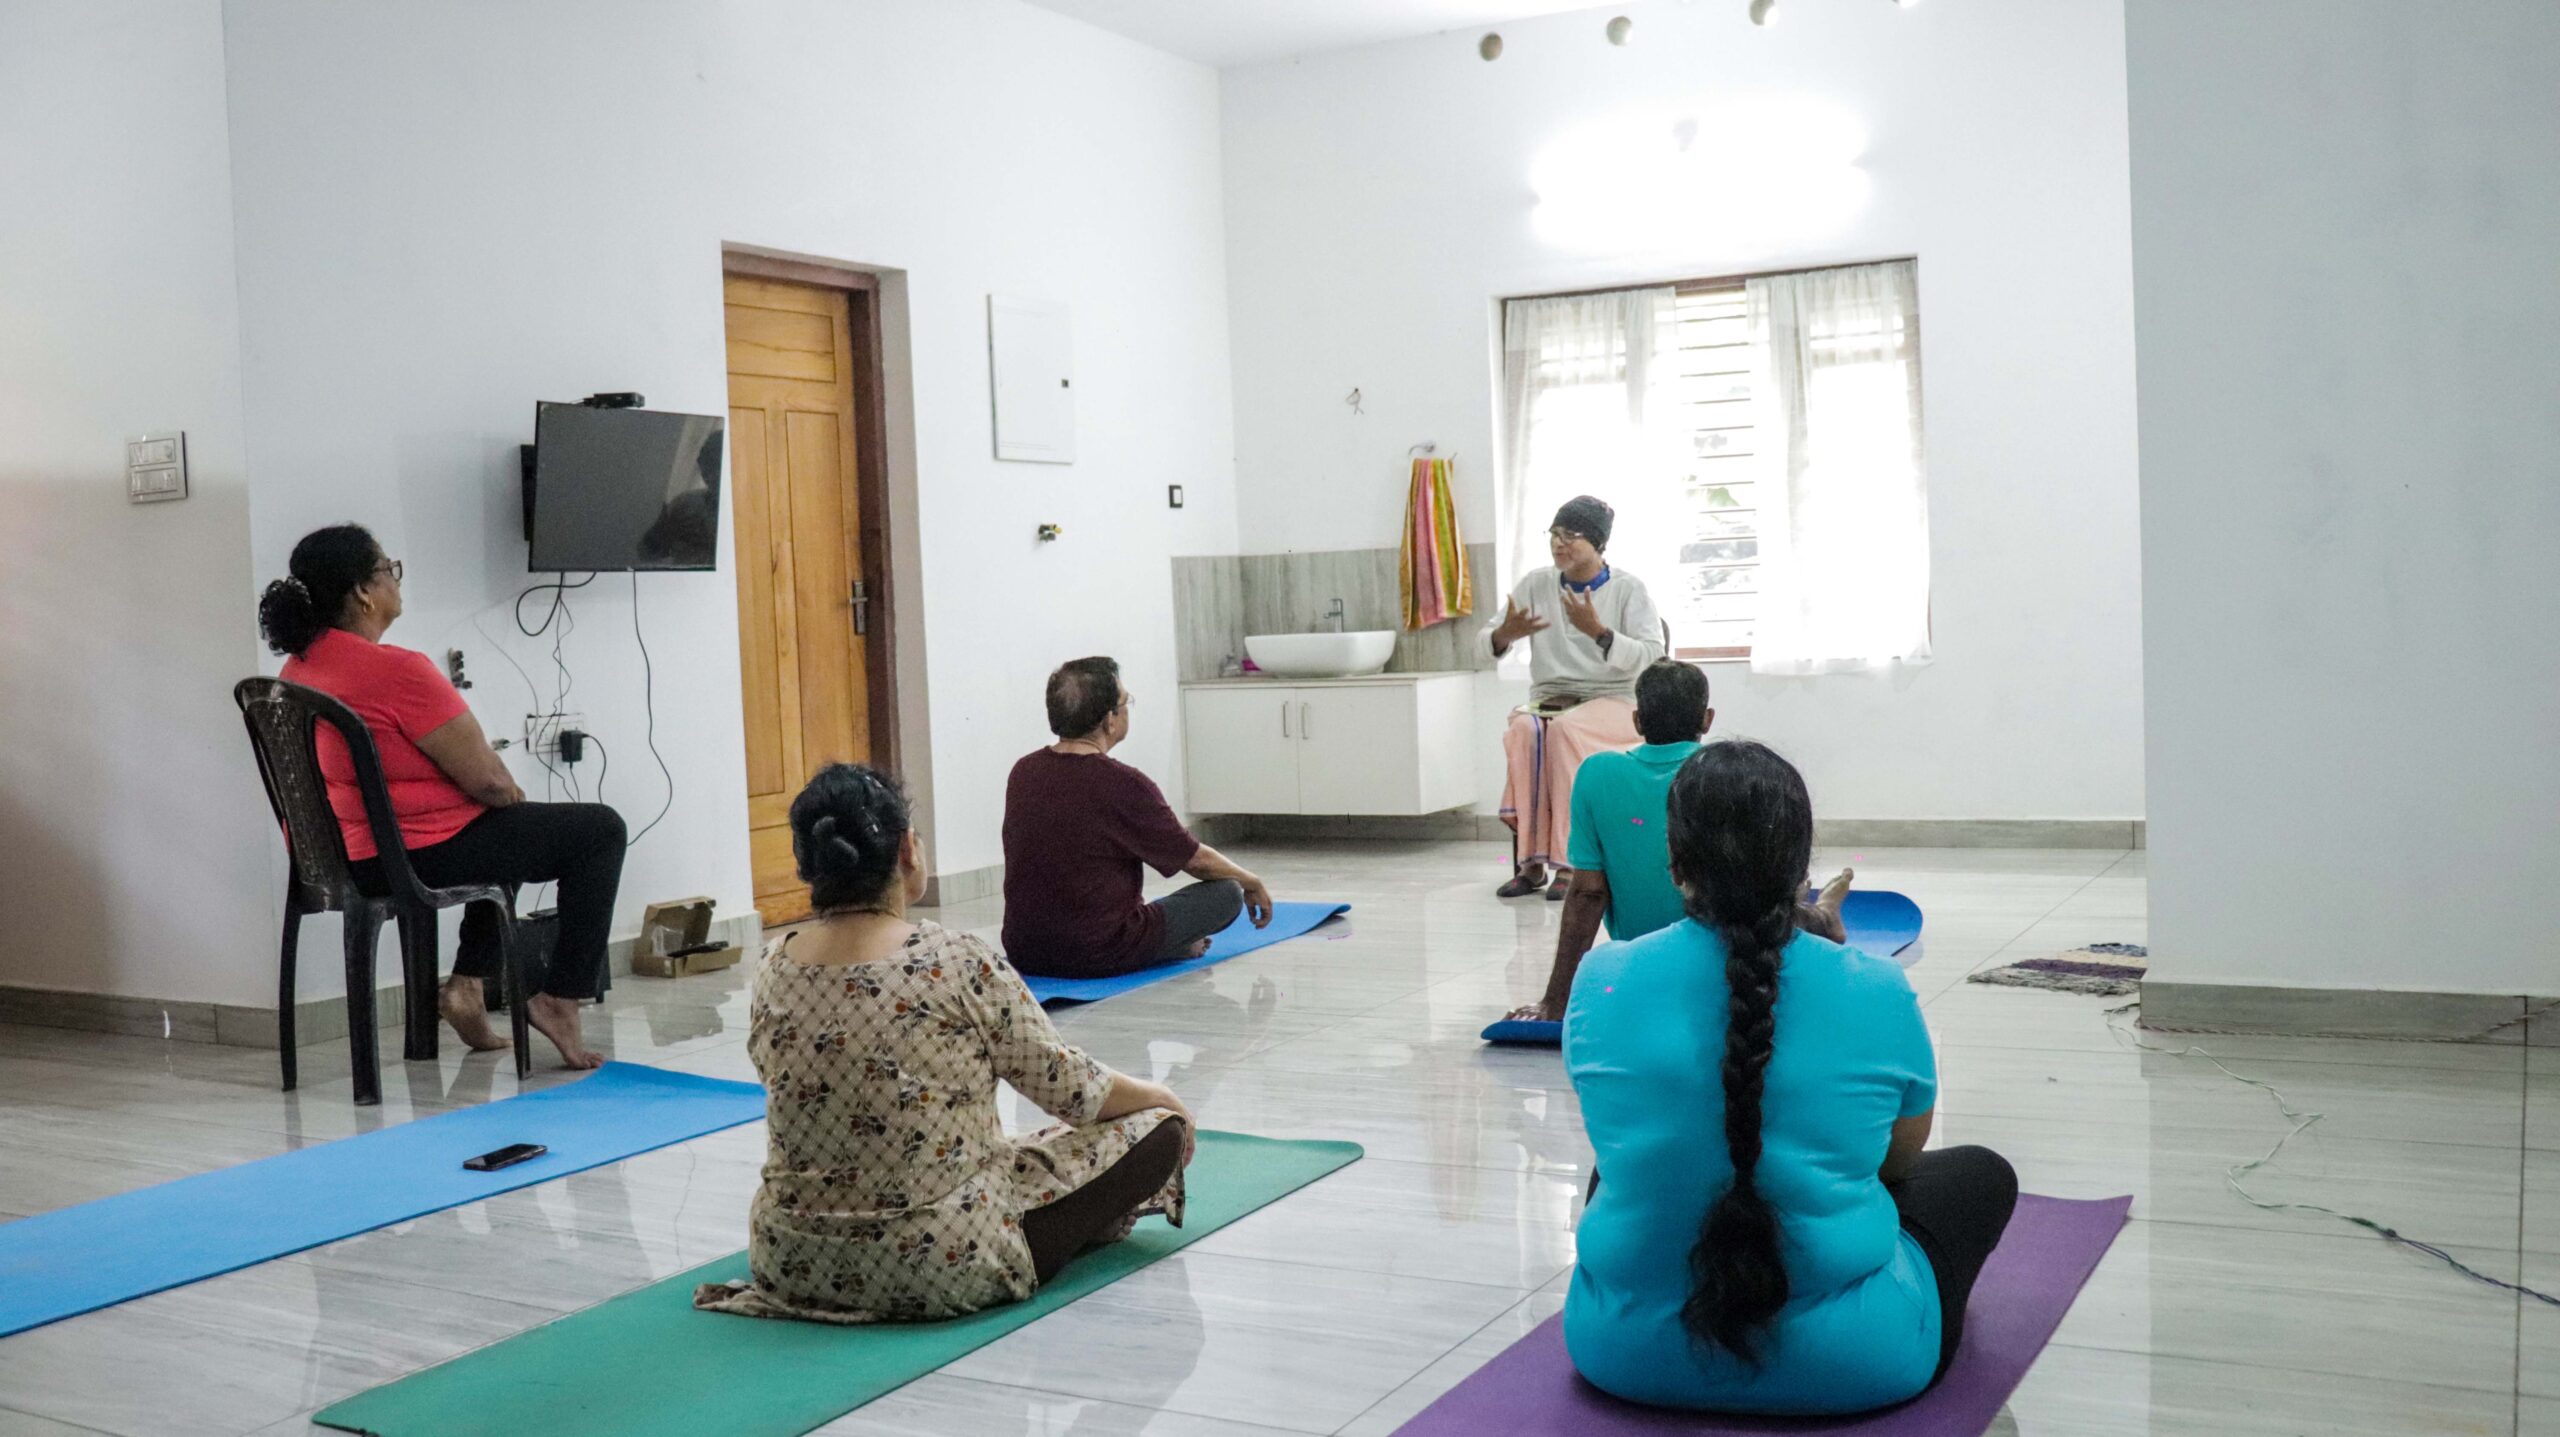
<point x="861" y="290"/>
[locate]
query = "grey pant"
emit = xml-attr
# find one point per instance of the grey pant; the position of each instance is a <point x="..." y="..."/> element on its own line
<point x="1197" y="912"/>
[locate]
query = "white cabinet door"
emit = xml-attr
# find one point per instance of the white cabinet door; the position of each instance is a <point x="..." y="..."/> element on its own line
<point x="1240" y="749"/>
<point x="1356" y="750"/>
<point x="1447" y="742"/>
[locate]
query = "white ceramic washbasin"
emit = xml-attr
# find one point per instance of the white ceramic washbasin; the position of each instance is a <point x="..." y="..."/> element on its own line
<point x="1321" y="656"/>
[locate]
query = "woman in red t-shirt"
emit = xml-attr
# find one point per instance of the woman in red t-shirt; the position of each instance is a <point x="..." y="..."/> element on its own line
<point x="461" y="815"/>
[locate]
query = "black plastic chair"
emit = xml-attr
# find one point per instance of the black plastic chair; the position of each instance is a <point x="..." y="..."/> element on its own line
<point x="284" y="724"/>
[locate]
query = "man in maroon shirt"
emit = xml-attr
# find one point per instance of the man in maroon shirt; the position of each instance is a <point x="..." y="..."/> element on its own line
<point x="1078" y="824"/>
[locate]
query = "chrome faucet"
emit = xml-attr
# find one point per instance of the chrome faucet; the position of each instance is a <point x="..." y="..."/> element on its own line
<point x="1333" y="617"/>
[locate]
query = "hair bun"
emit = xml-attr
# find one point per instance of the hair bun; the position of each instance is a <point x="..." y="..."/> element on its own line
<point x="287" y="616"/>
<point x="830" y="847"/>
<point x="848" y="827"/>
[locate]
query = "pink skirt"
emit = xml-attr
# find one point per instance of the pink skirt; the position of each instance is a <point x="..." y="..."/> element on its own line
<point x="1540" y="757"/>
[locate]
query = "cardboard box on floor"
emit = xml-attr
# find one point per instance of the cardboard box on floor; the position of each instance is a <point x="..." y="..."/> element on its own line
<point x="675" y="941"/>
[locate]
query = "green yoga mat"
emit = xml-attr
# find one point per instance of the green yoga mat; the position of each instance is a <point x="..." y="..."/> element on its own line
<point x="647" y="1365"/>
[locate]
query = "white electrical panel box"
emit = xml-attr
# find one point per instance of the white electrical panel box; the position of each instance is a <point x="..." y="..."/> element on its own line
<point x="155" y="467"/>
<point x="1033" y="358"/>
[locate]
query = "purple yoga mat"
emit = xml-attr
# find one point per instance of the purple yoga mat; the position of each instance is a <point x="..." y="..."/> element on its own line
<point x="2052" y="1246"/>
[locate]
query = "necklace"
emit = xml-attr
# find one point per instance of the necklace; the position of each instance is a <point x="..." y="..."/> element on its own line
<point x="831" y="915"/>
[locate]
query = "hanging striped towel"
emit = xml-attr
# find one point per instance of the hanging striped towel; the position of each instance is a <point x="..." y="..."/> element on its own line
<point x="1433" y="573"/>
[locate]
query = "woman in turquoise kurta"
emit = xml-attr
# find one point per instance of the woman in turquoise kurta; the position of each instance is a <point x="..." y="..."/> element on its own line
<point x="1766" y="1234"/>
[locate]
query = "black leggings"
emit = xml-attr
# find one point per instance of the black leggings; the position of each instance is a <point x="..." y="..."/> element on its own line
<point x="1059" y="1231"/>
<point x="579" y="845"/>
<point x="1196" y="912"/>
<point x="1955" y="1202"/>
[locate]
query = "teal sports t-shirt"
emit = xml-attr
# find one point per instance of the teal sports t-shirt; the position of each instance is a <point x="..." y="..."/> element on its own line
<point x="1644" y="1045"/>
<point x="1620" y="830"/>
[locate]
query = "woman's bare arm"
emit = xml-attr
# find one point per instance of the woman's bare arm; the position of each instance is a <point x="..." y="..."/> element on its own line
<point x="1910" y="1136"/>
<point x="459" y="748"/>
<point x="1136" y="1095"/>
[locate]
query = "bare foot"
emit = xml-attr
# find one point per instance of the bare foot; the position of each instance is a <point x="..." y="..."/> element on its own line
<point x="557" y="1019"/>
<point x="1199" y="948"/>
<point x="1530" y="1013"/>
<point x="461" y="1004"/>
<point x="1835" y="892"/>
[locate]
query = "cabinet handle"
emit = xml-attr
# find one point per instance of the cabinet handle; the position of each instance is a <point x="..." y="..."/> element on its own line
<point x="1306" y="728"/>
<point x="1284" y="718"/>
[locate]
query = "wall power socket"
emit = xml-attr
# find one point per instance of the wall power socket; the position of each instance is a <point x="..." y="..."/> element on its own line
<point x="542" y="732"/>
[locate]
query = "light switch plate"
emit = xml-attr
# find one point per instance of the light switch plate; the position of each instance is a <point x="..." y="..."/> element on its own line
<point x="1173" y="496"/>
<point x="155" y="467"/>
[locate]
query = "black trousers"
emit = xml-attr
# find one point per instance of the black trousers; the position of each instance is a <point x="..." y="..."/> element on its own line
<point x="1956" y="1202"/>
<point x="1200" y="911"/>
<point x="577" y="845"/>
<point x="1058" y="1232"/>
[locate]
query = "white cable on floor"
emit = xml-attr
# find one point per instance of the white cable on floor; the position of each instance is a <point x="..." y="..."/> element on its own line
<point x="2302" y="1120"/>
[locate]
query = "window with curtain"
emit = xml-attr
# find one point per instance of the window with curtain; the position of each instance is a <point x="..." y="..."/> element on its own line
<point x="1761" y="440"/>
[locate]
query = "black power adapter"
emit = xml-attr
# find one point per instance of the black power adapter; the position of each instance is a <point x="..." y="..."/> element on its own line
<point x="573" y="745"/>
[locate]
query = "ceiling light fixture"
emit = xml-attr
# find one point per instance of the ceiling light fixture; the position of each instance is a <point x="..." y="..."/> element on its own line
<point x="1619" y="28"/>
<point x="1490" y="47"/>
<point x="1764" y="12"/>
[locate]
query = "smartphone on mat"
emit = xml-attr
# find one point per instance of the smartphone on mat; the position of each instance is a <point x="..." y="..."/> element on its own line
<point x="505" y="1157"/>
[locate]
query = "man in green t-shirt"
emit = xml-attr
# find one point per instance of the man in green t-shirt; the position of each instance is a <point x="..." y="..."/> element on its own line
<point x="1620" y="847"/>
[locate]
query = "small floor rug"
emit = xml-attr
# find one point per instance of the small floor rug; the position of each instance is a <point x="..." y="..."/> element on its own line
<point x="1288" y="920"/>
<point x="79" y="1259"/>
<point x="2110" y="970"/>
<point x="2052" y="1246"/>
<point x="646" y="1364"/>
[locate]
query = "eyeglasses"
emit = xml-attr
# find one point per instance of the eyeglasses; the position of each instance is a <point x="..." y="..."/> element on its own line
<point x="1561" y="536"/>
<point x="391" y="567"/>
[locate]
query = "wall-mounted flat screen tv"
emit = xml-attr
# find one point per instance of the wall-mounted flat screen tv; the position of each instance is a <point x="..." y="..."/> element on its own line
<point x="617" y="489"/>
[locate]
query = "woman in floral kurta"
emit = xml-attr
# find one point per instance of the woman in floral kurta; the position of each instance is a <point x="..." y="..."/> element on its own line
<point x="891" y="1191"/>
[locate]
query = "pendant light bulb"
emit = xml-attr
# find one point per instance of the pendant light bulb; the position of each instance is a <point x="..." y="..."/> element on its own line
<point x="1764" y="12"/>
<point x="1619" y="29"/>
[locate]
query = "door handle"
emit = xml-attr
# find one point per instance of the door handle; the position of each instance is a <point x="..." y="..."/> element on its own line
<point x="1284" y="718"/>
<point x="1306" y="725"/>
<point x="861" y="602"/>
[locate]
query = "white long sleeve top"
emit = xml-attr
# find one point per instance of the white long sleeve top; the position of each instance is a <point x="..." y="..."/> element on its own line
<point x="1564" y="662"/>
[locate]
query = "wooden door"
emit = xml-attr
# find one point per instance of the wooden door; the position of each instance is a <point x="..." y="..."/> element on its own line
<point x="793" y="472"/>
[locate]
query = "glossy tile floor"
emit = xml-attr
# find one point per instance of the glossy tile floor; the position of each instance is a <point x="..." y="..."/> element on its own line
<point x="1349" y="1306"/>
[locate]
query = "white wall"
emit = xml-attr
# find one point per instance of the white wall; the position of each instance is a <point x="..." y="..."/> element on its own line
<point x="1378" y="201"/>
<point x="131" y="824"/>
<point x="447" y="213"/>
<point x="2344" y="234"/>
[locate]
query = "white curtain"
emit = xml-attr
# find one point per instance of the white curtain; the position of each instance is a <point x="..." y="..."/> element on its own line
<point x="1844" y="536"/>
<point x="1587" y="409"/>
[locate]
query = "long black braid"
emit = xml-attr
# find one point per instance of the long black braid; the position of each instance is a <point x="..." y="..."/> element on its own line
<point x="1741" y="831"/>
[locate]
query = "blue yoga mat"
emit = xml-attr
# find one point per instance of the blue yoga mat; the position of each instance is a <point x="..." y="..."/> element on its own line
<point x="1879" y="921"/>
<point x="1288" y="920"/>
<point x="79" y="1259"/>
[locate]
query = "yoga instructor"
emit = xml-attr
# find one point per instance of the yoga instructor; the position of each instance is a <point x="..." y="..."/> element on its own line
<point x="1590" y="629"/>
